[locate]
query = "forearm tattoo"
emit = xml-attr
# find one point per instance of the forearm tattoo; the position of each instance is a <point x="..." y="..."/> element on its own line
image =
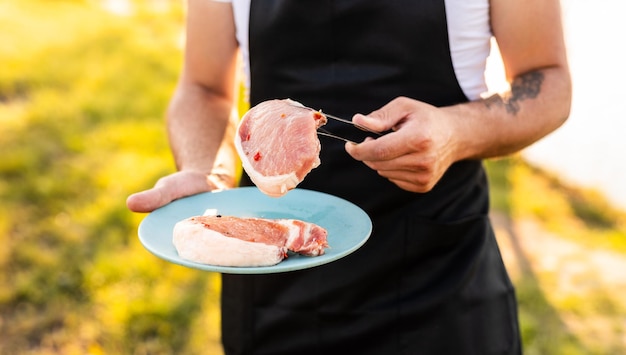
<point x="526" y="86"/>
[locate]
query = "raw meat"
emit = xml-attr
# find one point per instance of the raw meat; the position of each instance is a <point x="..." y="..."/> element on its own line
<point x="278" y="145"/>
<point x="245" y="242"/>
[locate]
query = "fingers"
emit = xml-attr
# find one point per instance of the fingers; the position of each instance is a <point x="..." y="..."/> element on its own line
<point x="168" y="189"/>
<point x="405" y="117"/>
<point x="390" y="146"/>
<point x="414" y="181"/>
<point x="410" y="172"/>
<point x="416" y="154"/>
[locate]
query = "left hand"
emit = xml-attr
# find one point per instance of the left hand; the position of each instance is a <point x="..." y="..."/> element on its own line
<point x="419" y="150"/>
<point x="174" y="186"/>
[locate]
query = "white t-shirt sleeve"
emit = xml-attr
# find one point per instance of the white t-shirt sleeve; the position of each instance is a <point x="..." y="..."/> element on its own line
<point x="469" y="34"/>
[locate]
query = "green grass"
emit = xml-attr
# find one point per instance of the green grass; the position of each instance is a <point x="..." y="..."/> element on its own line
<point x="580" y="214"/>
<point x="82" y="97"/>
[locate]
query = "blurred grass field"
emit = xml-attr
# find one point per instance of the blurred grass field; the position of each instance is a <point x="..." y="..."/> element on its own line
<point x="82" y="97"/>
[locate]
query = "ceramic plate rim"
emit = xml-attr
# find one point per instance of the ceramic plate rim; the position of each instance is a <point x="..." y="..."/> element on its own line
<point x="329" y="211"/>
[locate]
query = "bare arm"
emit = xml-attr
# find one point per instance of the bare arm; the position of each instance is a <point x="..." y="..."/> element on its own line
<point x="427" y="140"/>
<point x="530" y="38"/>
<point x="200" y="118"/>
<point x="200" y="111"/>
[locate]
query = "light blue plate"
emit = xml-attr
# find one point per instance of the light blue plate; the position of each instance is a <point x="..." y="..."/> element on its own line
<point x="348" y="226"/>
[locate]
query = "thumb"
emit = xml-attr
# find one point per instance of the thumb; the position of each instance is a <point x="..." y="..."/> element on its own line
<point x="371" y="121"/>
<point x="168" y="189"/>
<point x="148" y="200"/>
<point x="386" y="118"/>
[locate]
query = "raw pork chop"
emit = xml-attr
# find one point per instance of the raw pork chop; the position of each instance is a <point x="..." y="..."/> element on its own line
<point x="278" y="145"/>
<point x="234" y="241"/>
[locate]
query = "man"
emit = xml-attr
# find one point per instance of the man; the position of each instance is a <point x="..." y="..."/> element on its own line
<point x="430" y="280"/>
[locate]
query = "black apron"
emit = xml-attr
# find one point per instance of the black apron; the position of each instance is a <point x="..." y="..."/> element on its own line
<point x="430" y="280"/>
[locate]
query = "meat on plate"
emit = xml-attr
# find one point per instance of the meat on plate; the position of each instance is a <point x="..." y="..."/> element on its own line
<point x="246" y="242"/>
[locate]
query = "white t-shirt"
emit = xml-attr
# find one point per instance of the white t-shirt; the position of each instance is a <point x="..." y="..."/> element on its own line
<point x="469" y="34"/>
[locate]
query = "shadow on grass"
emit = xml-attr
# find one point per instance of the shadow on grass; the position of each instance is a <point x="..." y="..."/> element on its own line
<point x="543" y="330"/>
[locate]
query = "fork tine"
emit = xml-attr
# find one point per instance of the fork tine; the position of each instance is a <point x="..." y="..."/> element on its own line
<point x="323" y="132"/>
<point x="362" y="128"/>
<point x="343" y="120"/>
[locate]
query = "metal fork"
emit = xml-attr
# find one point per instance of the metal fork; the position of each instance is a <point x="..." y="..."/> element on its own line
<point x="323" y="132"/>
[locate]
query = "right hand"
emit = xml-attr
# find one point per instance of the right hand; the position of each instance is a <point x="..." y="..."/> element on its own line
<point x="175" y="186"/>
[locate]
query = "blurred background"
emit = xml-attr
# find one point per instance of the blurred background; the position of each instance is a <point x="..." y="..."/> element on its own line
<point x="83" y="88"/>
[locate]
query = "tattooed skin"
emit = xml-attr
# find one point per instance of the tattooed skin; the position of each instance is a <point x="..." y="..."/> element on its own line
<point x="524" y="87"/>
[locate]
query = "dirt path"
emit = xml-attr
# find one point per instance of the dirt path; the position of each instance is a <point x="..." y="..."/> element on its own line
<point x="585" y="288"/>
